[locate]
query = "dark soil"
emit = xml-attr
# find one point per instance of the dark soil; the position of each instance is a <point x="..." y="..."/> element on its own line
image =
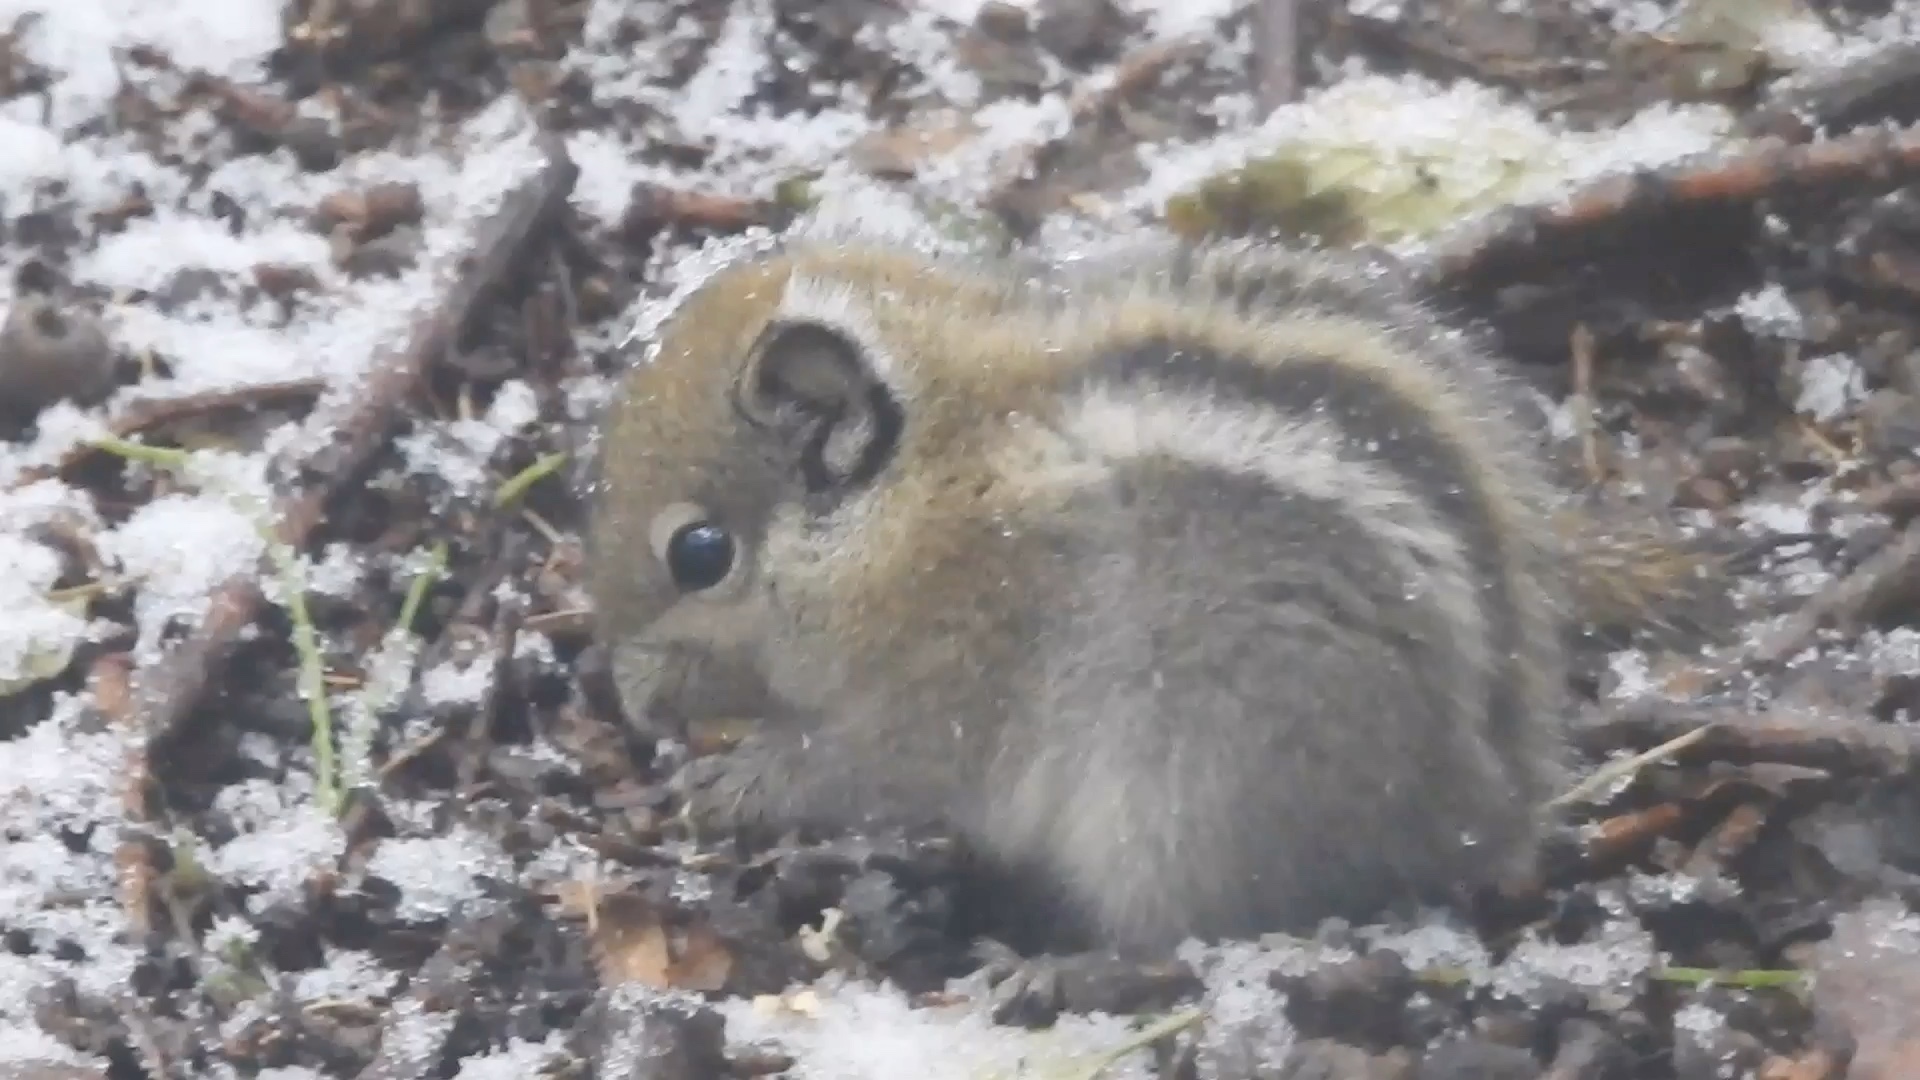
<point x="511" y="880"/>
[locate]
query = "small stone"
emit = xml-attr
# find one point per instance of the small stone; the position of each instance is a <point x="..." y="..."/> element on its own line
<point x="50" y="353"/>
<point x="1081" y="31"/>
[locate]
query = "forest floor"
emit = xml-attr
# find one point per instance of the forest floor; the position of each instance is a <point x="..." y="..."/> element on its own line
<point x="307" y="769"/>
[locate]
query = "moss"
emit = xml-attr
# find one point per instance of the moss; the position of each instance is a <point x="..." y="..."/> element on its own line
<point x="795" y="194"/>
<point x="1268" y="196"/>
<point x="1343" y="194"/>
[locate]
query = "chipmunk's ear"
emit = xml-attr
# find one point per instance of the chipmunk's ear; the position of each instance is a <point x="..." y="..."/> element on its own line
<point x="818" y="389"/>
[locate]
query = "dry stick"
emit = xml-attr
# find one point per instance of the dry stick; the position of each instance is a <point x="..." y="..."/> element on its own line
<point x="486" y="582"/>
<point x="149" y="413"/>
<point x="1581" y="347"/>
<point x="1795" y="108"/>
<point x="1844" y="603"/>
<point x="1847" y="747"/>
<point x="1605" y="776"/>
<point x="418" y="1024"/>
<point x="1100" y="96"/>
<point x="479" y="738"/>
<point x="1845" y="600"/>
<point x="652" y="206"/>
<point x="110" y="684"/>
<point x="1276" y="53"/>
<point x="1509" y="239"/>
<point x="168" y="690"/>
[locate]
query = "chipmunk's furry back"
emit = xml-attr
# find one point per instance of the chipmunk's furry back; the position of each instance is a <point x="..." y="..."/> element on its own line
<point x="1222" y="590"/>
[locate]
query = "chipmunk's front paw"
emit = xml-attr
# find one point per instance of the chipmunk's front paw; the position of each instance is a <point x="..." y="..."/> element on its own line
<point x="728" y="792"/>
<point x="1034" y="991"/>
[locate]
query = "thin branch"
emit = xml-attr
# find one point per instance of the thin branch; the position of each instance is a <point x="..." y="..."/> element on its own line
<point x="1847" y="747"/>
<point x="168" y="689"/>
<point x="1276" y="53"/>
<point x="1511" y="240"/>
<point x="1095" y="101"/>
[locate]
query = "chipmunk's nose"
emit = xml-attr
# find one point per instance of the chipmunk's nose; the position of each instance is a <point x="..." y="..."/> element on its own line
<point x="668" y="688"/>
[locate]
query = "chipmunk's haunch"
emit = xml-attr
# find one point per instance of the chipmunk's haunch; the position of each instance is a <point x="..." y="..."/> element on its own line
<point x="1221" y="589"/>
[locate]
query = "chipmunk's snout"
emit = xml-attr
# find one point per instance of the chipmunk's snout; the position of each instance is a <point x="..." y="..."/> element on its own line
<point x="641" y="671"/>
<point x="673" y="685"/>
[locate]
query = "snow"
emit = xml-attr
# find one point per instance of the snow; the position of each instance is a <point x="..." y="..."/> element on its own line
<point x="520" y="1059"/>
<point x="1619" y="954"/>
<point x="1829" y="385"/>
<point x="1465" y="138"/>
<point x="455" y="683"/>
<point x="436" y="873"/>
<point x="348" y="974"/>
<point x="181" y="548"/>
<point x="58" y="775"/>
<point x="65" y="775"/>
<point x="286" y="839"/>
<point x="78" y="38"/>
<point x="842" y="1030"/>
<point x="35" y="629"/>
<point x="1768" y="310"/>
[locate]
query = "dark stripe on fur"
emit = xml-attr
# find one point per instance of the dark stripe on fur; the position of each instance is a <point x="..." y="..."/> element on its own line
<point x="1382" y="427"/>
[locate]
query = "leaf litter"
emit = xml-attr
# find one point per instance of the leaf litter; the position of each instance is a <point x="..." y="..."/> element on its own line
<point x="261" y="208"/>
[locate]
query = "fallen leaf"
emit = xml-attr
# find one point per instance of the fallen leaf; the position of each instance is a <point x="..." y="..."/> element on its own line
<point x="631" y="943"/>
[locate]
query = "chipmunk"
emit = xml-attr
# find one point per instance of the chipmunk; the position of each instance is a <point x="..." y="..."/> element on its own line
<point x="1224" y="588"/>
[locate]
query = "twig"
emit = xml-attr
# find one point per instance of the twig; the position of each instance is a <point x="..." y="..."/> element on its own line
<point x="542" y="526"/>
<point x="419" y="1023"/>
<point x="389" y="674"/>
<point x="1276" y="53"/>
<point x="1581" y="347"/>
<point x="110" y="686"/>
<point x="1152" y="1033"/>
<point x="285" y="563"/>
<point x="417" y="588"/>
<point x="518" y="484"/>
<point x="484" y="586"/>
<point x="313" y="674"/>
<point x="146" y="414"/>
<point x="1509" y="240"/>
<point x="1748" y="978"/>
<point x="159" y="457"/>
<point x="565" y="621"/>
<point x="1795" y="109"/>
<point x="652" y="207"/>
<point x="1098" y="99"/>
<point x="1605" y="776"/>
<point x="1847" y="603"/>
<point x="494" y="699"/>
<point x="169" y="689"/>
<point x="1622" y="835"/>
<point x="1844" y="602"/>
<point x="87" y="590"/>
<point x="1093" y="1066"/>
<point x="1837" y="746"/>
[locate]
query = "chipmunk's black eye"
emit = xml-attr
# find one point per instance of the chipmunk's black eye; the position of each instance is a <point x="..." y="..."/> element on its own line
<point x="699" y="554"/>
